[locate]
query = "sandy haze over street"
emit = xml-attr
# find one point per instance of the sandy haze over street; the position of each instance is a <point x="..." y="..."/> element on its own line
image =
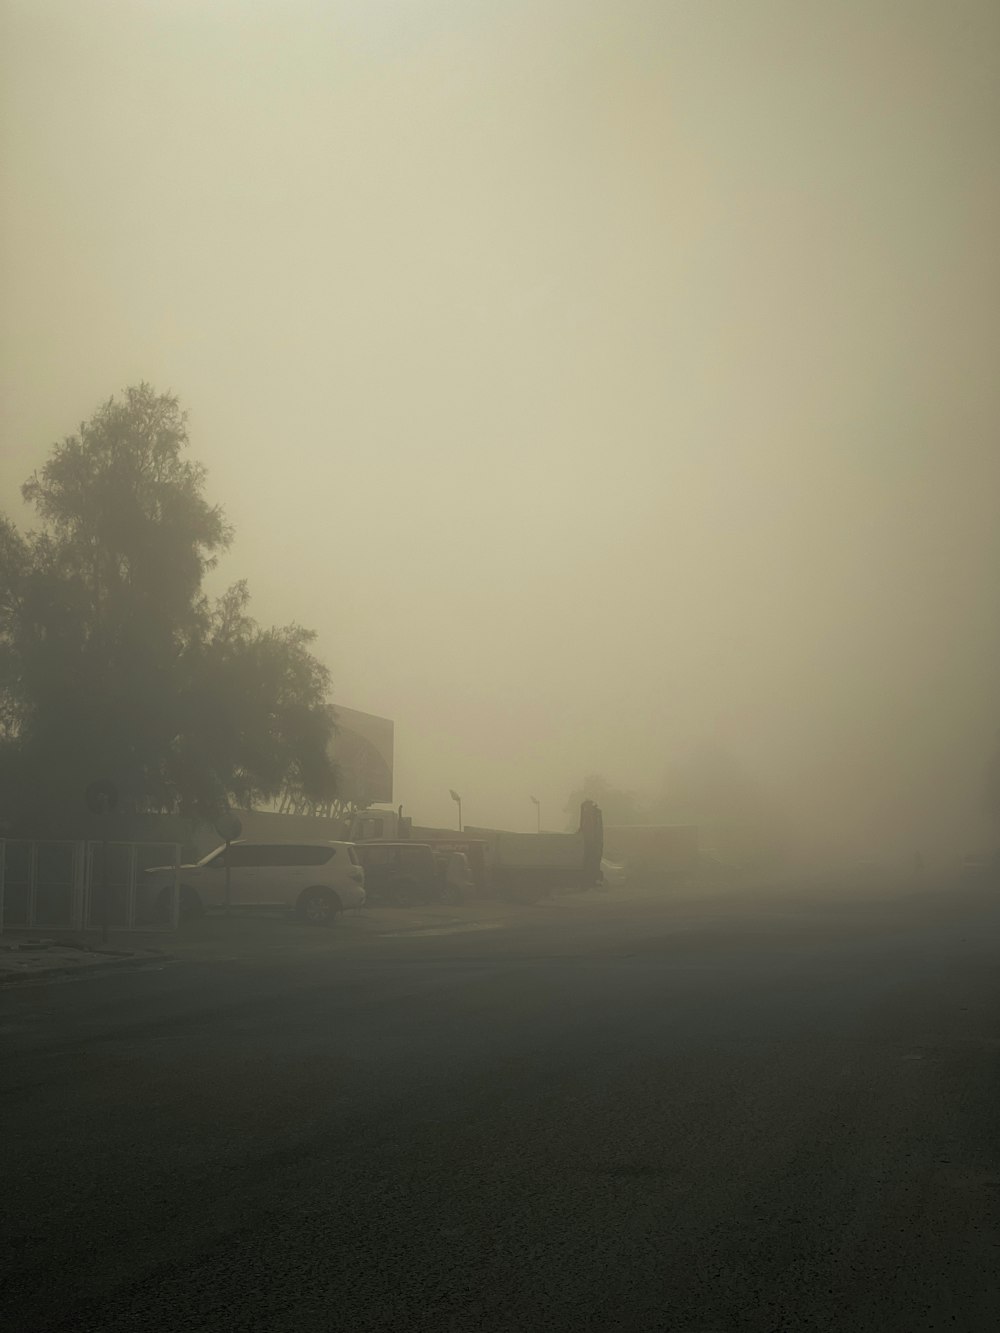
<point x="599" y="380"/>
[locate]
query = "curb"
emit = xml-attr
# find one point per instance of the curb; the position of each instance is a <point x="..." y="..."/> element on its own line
<point x="81" y="969"/>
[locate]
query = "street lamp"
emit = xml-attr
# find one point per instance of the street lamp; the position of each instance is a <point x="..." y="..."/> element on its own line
<point x="538" y="811"/>
<point x="458" y="801"/>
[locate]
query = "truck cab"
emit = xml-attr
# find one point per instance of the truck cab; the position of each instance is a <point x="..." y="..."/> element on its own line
<point x="379" y="826"/>
<point x="387" y="825"/>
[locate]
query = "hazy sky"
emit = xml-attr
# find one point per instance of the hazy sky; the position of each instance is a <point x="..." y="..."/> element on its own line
<point x="598" y="379"/>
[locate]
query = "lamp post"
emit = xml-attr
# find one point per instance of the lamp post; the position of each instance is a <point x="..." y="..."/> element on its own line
<point x="458" y="801"/>
<point x="538" y="812"/>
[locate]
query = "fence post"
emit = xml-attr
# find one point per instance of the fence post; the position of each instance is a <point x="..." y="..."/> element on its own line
<point x="88" y="875"/>
<point x="79" y="885"/>
<point x="130" y="918"/>
<point x="32" y="884"/>
<point x="175" y="915"/>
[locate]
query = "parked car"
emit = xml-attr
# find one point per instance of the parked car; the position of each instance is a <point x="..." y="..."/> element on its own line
<point x="406" y="874"/>
<point x="317" y="880"/>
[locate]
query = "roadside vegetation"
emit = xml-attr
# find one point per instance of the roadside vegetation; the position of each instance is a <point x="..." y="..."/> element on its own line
<point x="114" y="662"/>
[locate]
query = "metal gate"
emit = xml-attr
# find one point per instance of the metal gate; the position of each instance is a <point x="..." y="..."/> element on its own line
<point x="61" y="885"/>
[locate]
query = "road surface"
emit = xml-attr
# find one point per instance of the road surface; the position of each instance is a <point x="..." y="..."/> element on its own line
<point x="777" y="1114"/>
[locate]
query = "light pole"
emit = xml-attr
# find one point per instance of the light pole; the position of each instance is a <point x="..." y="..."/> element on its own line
<point x="538" y="812"/>
<point x="458" y="801"/>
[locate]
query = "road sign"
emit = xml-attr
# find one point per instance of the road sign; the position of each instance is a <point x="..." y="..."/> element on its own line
<point x="228" y="827"/>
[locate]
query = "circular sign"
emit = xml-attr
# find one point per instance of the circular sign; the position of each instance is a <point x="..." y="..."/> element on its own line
<point x="102" y="797"/>
<point x="227" y="826"/>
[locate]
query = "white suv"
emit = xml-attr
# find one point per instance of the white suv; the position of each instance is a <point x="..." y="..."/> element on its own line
<point x="315" y="879"/>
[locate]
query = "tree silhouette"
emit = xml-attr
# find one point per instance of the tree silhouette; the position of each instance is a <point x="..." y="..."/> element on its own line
<point x="113" y="662"/>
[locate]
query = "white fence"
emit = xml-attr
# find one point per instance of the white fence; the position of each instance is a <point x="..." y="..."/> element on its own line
<point x="61" y="885"/>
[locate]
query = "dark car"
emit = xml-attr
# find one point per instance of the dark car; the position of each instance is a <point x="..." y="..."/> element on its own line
<point x="406" y="874"/>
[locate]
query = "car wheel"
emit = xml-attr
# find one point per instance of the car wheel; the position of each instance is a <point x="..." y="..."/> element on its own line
<point x="190" y="904"/>
<point x="319" y="906"/>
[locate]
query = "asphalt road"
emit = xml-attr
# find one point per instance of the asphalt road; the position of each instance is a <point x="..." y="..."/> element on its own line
<point x="769" y="1115"/>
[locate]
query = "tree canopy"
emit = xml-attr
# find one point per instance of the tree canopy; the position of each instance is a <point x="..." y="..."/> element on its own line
<point x="113" y="661"/>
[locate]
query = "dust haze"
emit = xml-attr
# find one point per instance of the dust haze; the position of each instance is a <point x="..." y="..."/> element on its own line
<point x="605" y="383"/>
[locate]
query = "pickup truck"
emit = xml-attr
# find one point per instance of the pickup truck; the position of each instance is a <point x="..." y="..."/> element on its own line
<point x="408" y="874"/>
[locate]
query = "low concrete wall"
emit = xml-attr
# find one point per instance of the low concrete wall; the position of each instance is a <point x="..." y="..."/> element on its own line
<point x="196" y="839"/>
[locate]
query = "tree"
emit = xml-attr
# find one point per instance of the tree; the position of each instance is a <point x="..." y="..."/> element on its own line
<point x="617" y="805"/>
<point x="257" y="720"/>
<point x="113" y="662"/>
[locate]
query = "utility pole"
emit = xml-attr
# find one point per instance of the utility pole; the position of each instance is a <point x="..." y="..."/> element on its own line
<point x="458" y="801"/>
<point x="538" y="812"/>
